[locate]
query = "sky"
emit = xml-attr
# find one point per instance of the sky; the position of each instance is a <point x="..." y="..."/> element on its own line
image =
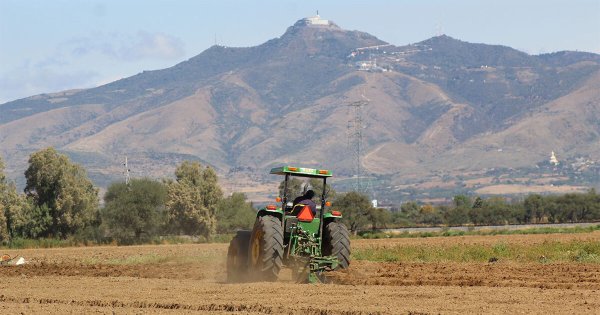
<point x="50" y="46"/>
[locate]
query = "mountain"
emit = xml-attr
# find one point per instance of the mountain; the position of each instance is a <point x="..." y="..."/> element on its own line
<point x="441" y="107"/>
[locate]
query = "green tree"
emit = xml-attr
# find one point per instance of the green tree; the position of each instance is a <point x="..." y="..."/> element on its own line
<point x="592" y="199"/>
<point x="134" y="213"/>
<point x="478" y="203"/>
<point x="589" y="206"/>
<point x="497" y="211"/>
<point x="4" y="234"/>
<point x="411" y="210"/>
<point x="553" y="210"/>
<point x="379" y="217"/>
<point x="4" y="225"/>
<point x="462" y="201"/>
<point x="34" y="221"/>
<point x="518" y="213"/>
<point x="192" y="200"/>
<point x="234" y="213"/>
<point x="534" y="208"/>
<point x="477" y="213"/>
<point x="429" y="215"/>
<point x="458" y="215"/>
<point x="569" y="207"/>
<point x="14" y="210"/>
<point x="355" y="208"/>
<point x="55" y="183"/>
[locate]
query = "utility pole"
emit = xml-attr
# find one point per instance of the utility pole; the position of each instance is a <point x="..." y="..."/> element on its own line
<point x="355" y="127"/>
<point x="127" y="178"/>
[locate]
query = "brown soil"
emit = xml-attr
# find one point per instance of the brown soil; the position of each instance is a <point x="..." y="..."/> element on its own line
<point x="190" y="279"/>
<point x="533" y="275"/>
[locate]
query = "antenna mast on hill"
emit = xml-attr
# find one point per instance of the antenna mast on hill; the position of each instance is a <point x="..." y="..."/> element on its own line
<point x="355" y="127"/>
<point x="439" y="29"/>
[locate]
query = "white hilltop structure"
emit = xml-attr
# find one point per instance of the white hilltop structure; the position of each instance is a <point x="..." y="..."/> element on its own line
<point x="316" y="20"/>
<point x="553" y="159"/>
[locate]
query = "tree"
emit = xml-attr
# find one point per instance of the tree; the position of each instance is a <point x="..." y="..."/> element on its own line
<point x="379" y="217"/>
<point x="478" y="203"/>
<point x="476" y="213"/>
<point x="15" y="211"/>
<point x="56" y="184"/>
<point x="589" y="206"/>
<point x="458" y="215"/>
<point x="462" y="201"/>
<point x="497" y="211"/>
<point x="553" y="210"/>
<point x="592" y="200"/>
<point x="428" y="214"/>
<point x="234" y="213"/>
<point x="411" y="210"/>
<point x="355" y="208"/>
<point x="534" y="208"/>
<point x="34" y="221"/>
<point x="4" y="226"/>
<point x="518" y="213"/>
<point x="134" y="213"/>
<point x="192" y="200"/>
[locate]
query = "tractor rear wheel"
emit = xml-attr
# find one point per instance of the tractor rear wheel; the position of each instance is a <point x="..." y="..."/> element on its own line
<point x="266" y="248"/>
<point x="237" y="257"/>
<point x="336" y="242"/>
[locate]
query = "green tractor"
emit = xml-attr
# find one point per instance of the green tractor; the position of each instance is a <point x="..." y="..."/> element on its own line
<point x="291" y="236"/>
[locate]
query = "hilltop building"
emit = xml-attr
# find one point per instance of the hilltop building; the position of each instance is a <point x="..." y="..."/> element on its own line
<point x="316" y="20"/>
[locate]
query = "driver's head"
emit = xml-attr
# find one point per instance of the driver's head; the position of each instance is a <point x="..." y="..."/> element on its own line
<point x="309" y="194"/>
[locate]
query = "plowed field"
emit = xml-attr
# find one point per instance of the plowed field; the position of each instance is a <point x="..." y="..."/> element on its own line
<point x="190" y="279"/>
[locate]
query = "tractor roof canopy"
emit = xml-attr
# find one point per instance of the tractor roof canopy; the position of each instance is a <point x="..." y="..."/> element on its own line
<point x="301" y="171"/>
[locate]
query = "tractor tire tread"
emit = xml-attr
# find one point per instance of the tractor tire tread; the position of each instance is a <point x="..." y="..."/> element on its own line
<point x="271" y="260"/>
<point x="336" y="242"/>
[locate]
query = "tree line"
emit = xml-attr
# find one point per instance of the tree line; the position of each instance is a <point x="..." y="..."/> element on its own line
<point x="466" y="210"/>
<point x="60" y="201"/>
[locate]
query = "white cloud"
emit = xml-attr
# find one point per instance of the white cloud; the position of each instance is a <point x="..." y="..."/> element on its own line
<point x="84" y="61"/>
<point x="127" y="47"/>
<point x="34" y="78"/>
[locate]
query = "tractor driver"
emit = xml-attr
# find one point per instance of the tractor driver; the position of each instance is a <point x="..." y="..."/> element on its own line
<point x="306" y="200"/>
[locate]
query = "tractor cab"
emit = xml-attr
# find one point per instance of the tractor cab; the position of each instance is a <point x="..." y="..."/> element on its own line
<point x="290" y="171"/>
<point x="299" y="215"/>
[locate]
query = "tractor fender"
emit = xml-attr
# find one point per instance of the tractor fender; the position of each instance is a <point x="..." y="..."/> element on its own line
<point x="274" y="212"/>
<point x="330" y="217"/>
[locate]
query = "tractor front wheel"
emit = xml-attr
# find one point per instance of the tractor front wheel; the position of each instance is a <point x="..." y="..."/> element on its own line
<point x="336" y="242"/>
<point x="266" y="248"/>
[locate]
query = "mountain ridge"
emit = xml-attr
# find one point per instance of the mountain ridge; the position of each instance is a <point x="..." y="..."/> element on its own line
<point x="431" y="102"/>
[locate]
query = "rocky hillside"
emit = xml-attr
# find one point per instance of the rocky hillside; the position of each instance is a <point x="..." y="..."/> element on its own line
<point x="441" y="105"/>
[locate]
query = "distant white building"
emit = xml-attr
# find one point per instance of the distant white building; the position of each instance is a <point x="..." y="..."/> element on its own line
<point x="553" y="159"/>
<point x="316" y="20"/>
